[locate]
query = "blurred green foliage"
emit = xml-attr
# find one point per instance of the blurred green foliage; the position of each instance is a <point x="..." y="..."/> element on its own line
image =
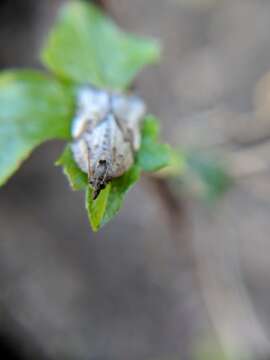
<point x="84" y="46"/>
<point x="209" y="173"/>
<point x="152" y="155"/>
<point x="34" y="107"/>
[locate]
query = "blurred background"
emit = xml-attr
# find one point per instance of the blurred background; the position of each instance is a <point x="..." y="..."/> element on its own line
<point x="166" y="279"/>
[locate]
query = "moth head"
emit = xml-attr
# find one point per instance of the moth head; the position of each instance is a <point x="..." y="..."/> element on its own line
<point x="99" y="178"/>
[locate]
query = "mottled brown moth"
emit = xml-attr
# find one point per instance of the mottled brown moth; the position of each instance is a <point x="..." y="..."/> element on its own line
<point x="106" y="134"/>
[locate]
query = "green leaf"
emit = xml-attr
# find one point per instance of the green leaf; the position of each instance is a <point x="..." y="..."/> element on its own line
<point x="152" y="155"/>
<point x="78" y="179"/>
<point x="110" y="200"/>
<point x="119" y="188"/>
<point x="211" y="175"/>
<point x="150" y="129"/>
<point x="86" y="46"/>
<point x="96" y="208"/>
<point x="108" y="203"/>
<point x="33" y="108"/>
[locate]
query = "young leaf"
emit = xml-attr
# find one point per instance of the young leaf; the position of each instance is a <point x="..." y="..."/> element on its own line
<point x="110" y="200"/>
<point x="119" y="188"/>
<point x="33" y="108"/>
<point x="77" y="178"/>
<point x="152" y="155"/>
<point x="86" y="46"/>
<point x="150" y="129"/>
<point x="105" y="207"/>
<point x="96" y="208"/>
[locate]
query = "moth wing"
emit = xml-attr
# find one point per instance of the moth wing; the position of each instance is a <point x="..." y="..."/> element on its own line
<point x="106" y="142"/>
<point x="129" y="110"/>
<point x="93" y="105"/>
<point x="81" y="154"/>
<point x="98" y="141"/>
<point x="121" y="150"/>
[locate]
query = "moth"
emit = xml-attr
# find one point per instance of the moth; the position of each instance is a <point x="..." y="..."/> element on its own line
<point x="106" y="134"/>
